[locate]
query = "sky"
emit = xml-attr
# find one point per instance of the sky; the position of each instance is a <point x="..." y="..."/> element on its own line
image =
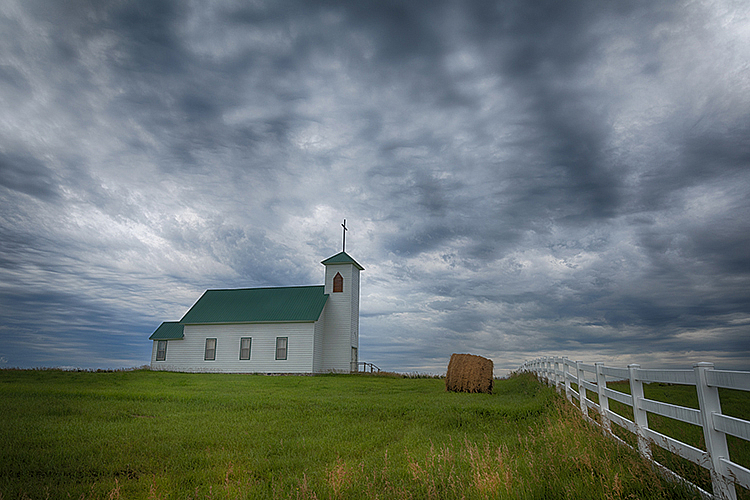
<point x="520" y="178"/>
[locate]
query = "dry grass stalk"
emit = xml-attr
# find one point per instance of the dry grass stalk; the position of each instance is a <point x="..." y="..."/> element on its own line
<point x="339" y="477"/>
<point x="304" y="491"/>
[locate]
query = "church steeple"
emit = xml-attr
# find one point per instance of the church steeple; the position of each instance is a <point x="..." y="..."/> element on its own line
<point x="342" y="312"/>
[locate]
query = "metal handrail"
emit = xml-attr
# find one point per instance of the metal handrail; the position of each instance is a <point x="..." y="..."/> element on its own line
<point x="366" y="367"/>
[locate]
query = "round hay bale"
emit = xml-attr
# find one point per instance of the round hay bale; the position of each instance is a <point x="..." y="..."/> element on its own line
<point x="469" y="373"/>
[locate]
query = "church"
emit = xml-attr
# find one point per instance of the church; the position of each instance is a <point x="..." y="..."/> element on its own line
<point x="297" y="329"/>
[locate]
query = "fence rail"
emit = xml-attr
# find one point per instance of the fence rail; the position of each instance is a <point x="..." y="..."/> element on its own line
<point x="561" y="372"/>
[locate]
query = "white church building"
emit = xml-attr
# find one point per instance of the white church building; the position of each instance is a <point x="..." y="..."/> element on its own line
<point x="298" y="329"/>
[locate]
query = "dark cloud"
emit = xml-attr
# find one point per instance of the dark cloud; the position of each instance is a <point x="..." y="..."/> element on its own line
<point x="520" y="178"/>
<point x="717" y="147"/>
<point x="13" y="82"/>
<point x="27" y="174"/>
<point x="148" y="39"/>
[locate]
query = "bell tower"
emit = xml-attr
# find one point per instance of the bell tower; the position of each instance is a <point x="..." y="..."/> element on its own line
<point x="341" y="330"/>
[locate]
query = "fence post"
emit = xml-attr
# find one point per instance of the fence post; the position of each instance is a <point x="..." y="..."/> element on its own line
<point x="716" y="442"/>
<point x="553" y="368"/>
<point x="550" y="372"/>
<point x="566" y="380"/>
<point x="543" y="369"/>
<point x="639" y="416"/>
<point x="540" y="369"/>
<point x="601" y="384"/>
<point x="557" y="374"/>
<point x="581" y="389"/>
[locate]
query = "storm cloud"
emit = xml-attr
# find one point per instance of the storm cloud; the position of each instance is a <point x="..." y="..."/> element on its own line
<point x="520" y="178"/>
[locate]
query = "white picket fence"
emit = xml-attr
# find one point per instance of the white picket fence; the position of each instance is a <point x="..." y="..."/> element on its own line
<point x="560" y="372"/>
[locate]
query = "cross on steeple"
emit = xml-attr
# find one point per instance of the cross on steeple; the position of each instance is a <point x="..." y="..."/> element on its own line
<point x="345" y="230"/>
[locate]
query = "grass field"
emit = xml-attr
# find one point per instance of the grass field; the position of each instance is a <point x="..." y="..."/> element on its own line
<point x="142" y="434"/>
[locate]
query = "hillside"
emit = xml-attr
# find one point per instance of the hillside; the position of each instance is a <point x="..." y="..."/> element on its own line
<point x="143" y="434"/>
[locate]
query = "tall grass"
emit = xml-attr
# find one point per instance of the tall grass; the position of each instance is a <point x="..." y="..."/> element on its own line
<point x="159" y="435"/>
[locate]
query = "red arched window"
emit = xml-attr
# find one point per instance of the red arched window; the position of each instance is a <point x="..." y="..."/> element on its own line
<point x="338" y="283"/>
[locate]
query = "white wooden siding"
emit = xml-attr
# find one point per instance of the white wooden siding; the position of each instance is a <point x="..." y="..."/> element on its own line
<point x="355" y="309"/>
<point x="337" y="353"/>
<point x="318" y="343"/>
<point x="186" y="355"/>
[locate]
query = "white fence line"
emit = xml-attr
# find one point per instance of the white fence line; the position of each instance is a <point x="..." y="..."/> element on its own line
<point x="560" y="372"/>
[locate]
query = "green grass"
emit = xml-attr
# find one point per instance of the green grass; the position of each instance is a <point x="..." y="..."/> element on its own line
<point x="143" y="434"/>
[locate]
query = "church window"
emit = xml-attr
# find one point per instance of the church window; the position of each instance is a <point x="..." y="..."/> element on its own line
<point x="245" y="347"/>
<point x="161" y="350"/>
<point x="210" y="354"/>
<point x="281" y="347"/>
<point x="338" y="283"/>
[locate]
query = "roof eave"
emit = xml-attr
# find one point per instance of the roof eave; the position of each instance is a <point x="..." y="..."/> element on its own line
<point x="254" y="322"/>
<point x="342" y="258"/>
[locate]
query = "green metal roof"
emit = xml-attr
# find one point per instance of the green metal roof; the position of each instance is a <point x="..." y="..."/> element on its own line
<point x="258" y="305"/>
<point x="342" y="258"/>
<point x="169" y="330"/>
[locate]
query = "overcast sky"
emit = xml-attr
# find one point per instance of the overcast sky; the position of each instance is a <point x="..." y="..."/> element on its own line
<point x="520" y="178"/>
